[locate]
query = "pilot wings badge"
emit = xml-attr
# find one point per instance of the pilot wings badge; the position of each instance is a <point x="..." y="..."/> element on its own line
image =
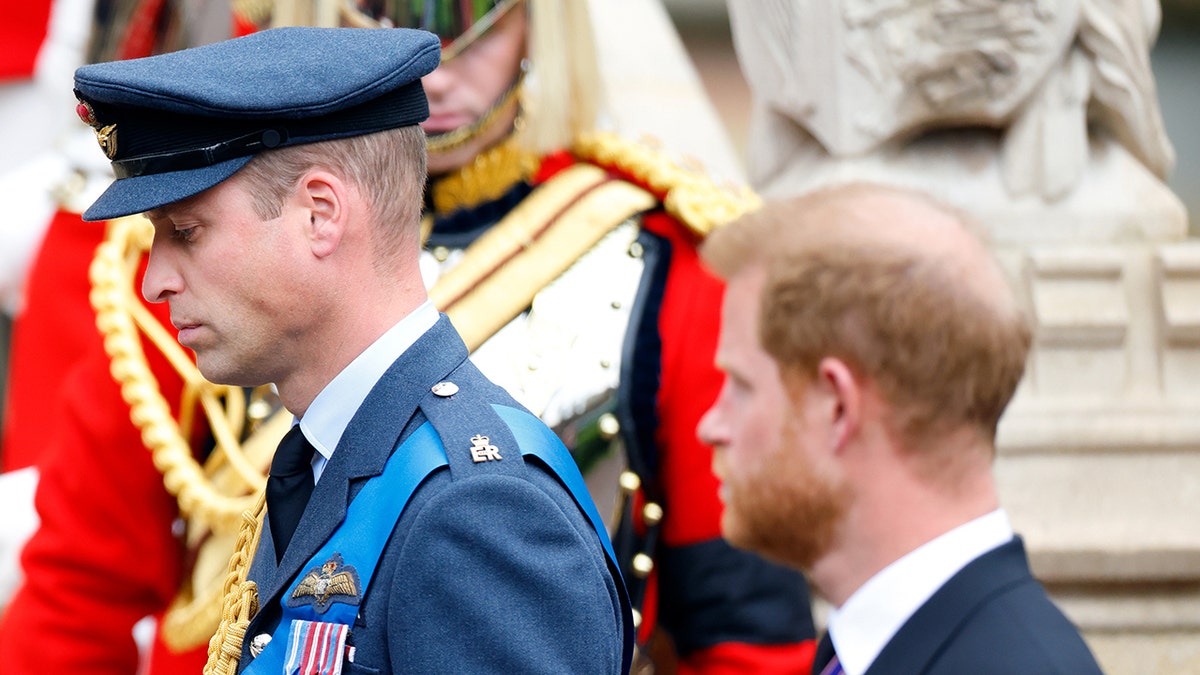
<point x="334" y="581"/>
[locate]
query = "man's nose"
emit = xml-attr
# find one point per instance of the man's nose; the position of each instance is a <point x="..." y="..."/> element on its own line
<point x="710" y="429"/>
<point x="161" y="281"/>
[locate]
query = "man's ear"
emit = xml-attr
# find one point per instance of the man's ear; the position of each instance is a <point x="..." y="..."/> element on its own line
<point x="324" y="197"/>
<point x="841" y="399"/>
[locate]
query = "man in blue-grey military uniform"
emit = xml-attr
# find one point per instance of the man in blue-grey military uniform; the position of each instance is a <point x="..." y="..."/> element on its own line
<point x="417" y="519"/>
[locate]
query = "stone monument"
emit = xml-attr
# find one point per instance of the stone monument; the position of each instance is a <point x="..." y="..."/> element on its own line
<point x="1040" y="117"/>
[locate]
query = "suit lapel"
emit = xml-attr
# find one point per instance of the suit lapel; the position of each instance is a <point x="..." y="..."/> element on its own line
<point x="920" y="639"/>
<point x="362" y="452"/>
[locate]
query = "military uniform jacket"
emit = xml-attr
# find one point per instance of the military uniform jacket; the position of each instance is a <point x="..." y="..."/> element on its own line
<point x="992" y="618"/>
<point x="492" y="566"/>
<point x="629" y="326"/>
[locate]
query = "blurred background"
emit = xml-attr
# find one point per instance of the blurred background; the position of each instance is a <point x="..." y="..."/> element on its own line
<point x="704" y="27"/>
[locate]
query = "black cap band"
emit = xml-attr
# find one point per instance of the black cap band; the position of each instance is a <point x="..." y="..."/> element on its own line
<point x="405" y="106"/>
<point x="200" y="157"/>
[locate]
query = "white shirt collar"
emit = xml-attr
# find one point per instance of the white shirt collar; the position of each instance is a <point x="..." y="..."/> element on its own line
<point x="866" y="622"/>
<point x="330" y="412"/>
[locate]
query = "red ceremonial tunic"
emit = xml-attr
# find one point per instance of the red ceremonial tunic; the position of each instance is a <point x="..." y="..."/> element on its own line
<point x="106" y="553"/>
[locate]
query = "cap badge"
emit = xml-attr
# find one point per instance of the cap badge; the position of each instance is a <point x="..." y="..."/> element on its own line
<point x="333" y="581"/>
<point x="481" y="451"/>
<point x="85" y="112"/>
<point x="105" y="135"/>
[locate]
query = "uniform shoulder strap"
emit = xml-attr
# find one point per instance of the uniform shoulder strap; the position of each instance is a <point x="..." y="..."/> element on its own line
<point x="483" y="430"/>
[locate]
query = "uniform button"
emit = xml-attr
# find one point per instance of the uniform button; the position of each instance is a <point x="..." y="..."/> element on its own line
<point x="259" y="643"/>
<point x="652" y="514"/>
<point x="608" y="426"/>
<point x="643" y="565"/>
<point x="445" y="389"/>
<point x="629" y="482"/>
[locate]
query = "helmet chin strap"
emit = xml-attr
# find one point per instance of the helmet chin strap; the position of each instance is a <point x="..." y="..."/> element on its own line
<point x="456" y="138"/>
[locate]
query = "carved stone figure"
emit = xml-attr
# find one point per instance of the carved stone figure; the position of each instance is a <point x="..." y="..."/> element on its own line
<point x="869" y="76"/>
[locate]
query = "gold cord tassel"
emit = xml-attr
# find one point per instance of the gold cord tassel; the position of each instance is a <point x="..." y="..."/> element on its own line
<point x="119" y="316"/>
<point x="241" y="597"/>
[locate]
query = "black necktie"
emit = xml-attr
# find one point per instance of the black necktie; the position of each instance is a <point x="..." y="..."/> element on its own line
<point x="289" y="487"/>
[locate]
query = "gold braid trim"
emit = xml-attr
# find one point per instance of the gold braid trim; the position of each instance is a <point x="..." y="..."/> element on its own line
<point x="492" y="173"/>
<point x="119" y="316"/>
<point x="196" y="610"/>
<point x="240" y="603"/>
<point x="690" y="196"/>
<point x="501" y="273"/>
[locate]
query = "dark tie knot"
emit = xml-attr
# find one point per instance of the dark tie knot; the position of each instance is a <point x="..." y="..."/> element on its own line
<point x="288" y="487"/>
<point x="294" y="454"/>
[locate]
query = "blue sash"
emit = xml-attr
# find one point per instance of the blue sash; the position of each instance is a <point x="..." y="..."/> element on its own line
<point x="333" y="588"/>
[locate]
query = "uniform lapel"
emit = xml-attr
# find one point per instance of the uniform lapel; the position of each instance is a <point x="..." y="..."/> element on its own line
<point x="913" y="647"/>
<point x="362" y="452"/>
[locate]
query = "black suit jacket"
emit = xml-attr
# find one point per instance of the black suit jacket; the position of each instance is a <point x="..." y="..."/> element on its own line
<point x="992" y="617"/>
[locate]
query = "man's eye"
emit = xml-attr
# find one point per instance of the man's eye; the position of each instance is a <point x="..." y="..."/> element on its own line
<point x="184" y="234"/>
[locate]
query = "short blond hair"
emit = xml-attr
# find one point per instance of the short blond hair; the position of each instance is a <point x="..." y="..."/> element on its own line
<point x="942" y="338"/>
<point x="387" y="167"/>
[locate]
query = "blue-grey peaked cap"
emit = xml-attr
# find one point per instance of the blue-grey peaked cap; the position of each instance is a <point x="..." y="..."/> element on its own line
<point x="177" y="124"/>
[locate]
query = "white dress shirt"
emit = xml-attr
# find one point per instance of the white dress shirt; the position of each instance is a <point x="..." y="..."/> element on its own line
<point x="866" y="622"/>
<point x="330" y="412"/>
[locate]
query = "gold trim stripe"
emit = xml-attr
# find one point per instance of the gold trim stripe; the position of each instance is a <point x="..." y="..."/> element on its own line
<point x="505" y="293"/>
<point x="514" y="232"/>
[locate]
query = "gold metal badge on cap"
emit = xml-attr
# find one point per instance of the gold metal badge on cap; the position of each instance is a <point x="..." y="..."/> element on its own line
<point x="481" y="451"/>
<point x="106" y="135"/>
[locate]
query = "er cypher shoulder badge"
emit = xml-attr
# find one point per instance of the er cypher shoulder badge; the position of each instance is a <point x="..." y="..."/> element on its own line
<point x="334" y="581"/>
<point x="482" y="451"/>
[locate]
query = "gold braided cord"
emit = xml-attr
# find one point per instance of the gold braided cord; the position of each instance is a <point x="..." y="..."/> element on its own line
<point x="240" y="602"/>
<point x="119" y="316"/>
<point x="492" y="173"/>
<point x="257" y="12"/>
<point x="212" y="498"/>
<point x="195" y="612"/>
<point x="693" y="198"/>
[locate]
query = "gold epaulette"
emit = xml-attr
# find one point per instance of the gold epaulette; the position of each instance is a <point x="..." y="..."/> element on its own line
<point x="690" y="196"/>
